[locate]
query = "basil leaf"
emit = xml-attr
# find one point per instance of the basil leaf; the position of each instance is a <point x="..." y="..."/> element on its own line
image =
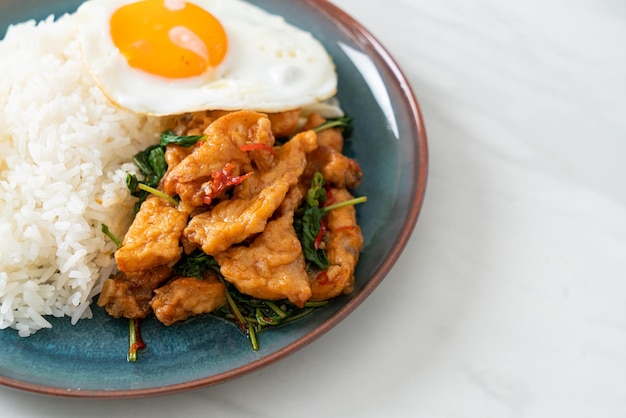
<point x="344" y="123"/>
<point x="156" y="159"/>
<point x="143" y="164"/>
<point x="195" y="264"/>
<point x="169" y="137"/>
<point x="152" y="165"/>
<point x="133" y="185"/>
<point x="308" y="222"/>
<point x="311" y="225"/>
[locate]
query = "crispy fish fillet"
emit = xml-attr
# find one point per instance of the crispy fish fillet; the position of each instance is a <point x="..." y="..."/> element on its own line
<point x="332" y="137"/>
<point x="184" y="297"/>
<point x="338" y="170"/>
<point x="153" y="238"/>
<point x="196" y="122"/>
<point x="253" y="202"/>
<point x="343" y="245"/>
<point x="284" y="124"/>
<point x="272" y="267"/>
<point x="127" y="295"/>
<point x="224" y="139"/>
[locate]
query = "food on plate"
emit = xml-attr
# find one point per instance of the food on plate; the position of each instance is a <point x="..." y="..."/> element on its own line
<point x="258" y="210"/>
<point x="223" y="176"/>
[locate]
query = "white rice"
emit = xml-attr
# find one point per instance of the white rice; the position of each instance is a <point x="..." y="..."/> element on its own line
<point x="62" y="175"/>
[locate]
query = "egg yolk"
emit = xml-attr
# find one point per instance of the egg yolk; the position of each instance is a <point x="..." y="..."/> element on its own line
<point x="168" y="38"/>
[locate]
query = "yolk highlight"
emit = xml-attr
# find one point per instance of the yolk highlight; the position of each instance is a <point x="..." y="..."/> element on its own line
<point x="173" y="39"/>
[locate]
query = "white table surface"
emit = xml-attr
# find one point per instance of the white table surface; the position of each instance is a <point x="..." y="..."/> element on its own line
<point x="510" y="298"/>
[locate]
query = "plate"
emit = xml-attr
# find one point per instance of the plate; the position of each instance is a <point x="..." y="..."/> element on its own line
<point x="389" y="141"/>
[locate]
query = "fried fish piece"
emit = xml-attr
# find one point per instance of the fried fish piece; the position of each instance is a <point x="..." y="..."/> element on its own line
<point x="272" y="267"/>
<point x="284" y="124"/>
<point x="338" y="170"/>
<point x="192" y="178"/>
<point x="344" y="242"/>
<point x="127" y="295"/>
<point x="184" y="297"/>
<point x="153" y="238"/>
<point x="253" y="202"/>
<point x="194" y="123"/>
<point x="332" y="137"/>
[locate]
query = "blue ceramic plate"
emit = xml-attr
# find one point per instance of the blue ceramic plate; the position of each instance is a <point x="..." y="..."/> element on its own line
<point x="89" y="359"/>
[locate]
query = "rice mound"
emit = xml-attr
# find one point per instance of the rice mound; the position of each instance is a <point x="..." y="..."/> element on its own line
<point x="64" y="153"/>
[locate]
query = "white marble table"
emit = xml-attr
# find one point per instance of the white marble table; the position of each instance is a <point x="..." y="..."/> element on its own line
<point x="510" y="299"/>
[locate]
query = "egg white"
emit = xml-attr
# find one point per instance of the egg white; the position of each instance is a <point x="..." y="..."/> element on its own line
<point x="270" y="65"/>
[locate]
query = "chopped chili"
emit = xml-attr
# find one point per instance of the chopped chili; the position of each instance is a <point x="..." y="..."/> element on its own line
<point x="220" y="180"/>
<point x="317" y="243"/>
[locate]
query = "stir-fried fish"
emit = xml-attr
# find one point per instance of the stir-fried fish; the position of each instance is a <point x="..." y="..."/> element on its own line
<point x="339" y="170"/>
<point x="127" y="295"/>
<point x="272" y="267"/>
<point x="184" y="297"/>
<point x="195" y="123"/>
<point x="342" y="249"/>
<point x="253" y="203"/>
<point x="284" y="124"/>
<point x="238" y="198"/>
<point x="222" y="150"/>
<point x="332" y="137"/>
<point x="153" y="238"/>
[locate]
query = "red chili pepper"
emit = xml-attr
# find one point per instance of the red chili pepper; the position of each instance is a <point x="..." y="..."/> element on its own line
<point x="317" y="243"/>
<point x="138" y="344"/>
<point x="322" y="278"/>
<point x="256" y="145"/>
<point x="330" y="199"/>
<point x="220" y="180"/>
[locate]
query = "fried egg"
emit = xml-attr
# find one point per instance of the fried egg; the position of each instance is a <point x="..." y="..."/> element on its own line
<point x="167" y="57"/>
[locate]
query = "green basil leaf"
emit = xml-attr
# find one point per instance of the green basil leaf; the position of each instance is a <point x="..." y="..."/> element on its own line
<point x="156" y="159"/>
<point x="344" y="123"/>
<point x="169" y="137"/>
<point x="308" y="222"/>
<point x="195" y="264"/>
<point x="311" y="225"/>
